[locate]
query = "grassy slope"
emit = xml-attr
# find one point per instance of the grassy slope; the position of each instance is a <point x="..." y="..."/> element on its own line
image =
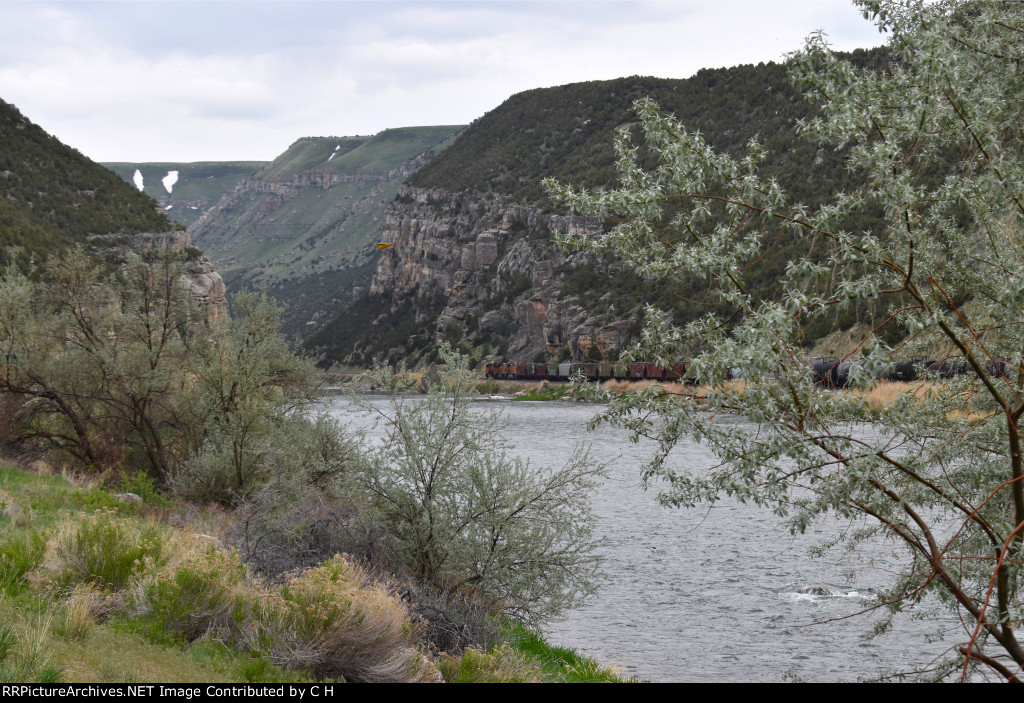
<point x="124" y="648"/>
<point x="323" y="228"/>
<point x="111" y="651"/>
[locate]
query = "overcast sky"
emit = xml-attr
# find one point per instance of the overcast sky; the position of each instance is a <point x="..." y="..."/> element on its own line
<point x="196" y="81"/>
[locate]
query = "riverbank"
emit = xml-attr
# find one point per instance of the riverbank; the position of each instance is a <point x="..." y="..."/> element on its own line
<point x="101" y="586"/>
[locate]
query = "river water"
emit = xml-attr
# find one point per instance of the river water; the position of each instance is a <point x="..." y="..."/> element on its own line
<point x="719" y="594"/>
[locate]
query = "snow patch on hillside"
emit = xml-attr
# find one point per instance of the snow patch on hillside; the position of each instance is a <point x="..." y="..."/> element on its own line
<point x="137" y="179"/>
<point x="170" y="179"/>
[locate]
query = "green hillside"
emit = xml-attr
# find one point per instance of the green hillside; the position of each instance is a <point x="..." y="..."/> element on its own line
<point x="309" y="153"/>
<point x="567" y="132"/>
<point x="198" y="187"/>
<point x="51" y="194"/>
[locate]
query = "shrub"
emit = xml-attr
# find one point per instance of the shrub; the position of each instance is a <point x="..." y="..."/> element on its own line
<point x="333" y="621"/>
<point x="205" y="594"/>
<point x="465" y="512"/>
<point x="456" y="619"/>
<point x="105" y="550"/>
<point x="289" y="524"/>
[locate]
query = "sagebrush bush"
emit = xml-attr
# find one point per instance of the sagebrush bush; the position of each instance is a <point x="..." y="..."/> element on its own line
<point x="334" y="621"/>
<point x="204" y="594"/>
<point x="103" y="549"/>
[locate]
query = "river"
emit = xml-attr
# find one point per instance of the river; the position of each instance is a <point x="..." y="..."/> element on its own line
<point x="719" y="594"/>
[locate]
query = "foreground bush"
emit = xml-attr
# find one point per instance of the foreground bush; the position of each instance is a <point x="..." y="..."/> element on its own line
<point x="332" y="620"/>
<point x="104" y="549"/>
<point x="203" y="595"/>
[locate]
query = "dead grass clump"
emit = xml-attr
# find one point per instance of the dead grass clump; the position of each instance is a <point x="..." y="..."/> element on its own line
<point x="82" y="608"/>
<point x="333" y="621"/>
<point x="622" y="387"/>
<point x="885" y="393"/>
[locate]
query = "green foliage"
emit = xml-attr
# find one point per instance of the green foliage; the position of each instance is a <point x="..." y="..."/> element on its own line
<point x="118" y="371"/>
<point x="105" y="550"/>
<point x="939" y="472"/>
<point x="566" y="132"/>
<point x="468" y="515"/>
<point x="201" y="596"/>
<point x="248" y="387"/>
<point x="27" y="662"/>
<point x="375" y="328"/>
<point x="20" y="553"/>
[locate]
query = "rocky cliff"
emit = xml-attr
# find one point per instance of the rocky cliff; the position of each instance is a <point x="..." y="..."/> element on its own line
<point x="203" y="282"/>
<point x="482" y="271"/>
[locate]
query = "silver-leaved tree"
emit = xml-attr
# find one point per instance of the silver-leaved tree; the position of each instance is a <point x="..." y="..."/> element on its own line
<point x="467" y="515"/>
<point x="935" y="140"/>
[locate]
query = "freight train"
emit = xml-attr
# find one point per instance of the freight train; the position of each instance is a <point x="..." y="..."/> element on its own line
<point x="830" y="373"/>
<point x="635" y="371"/>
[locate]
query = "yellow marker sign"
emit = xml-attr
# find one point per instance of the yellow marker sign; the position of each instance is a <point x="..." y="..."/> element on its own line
<point x="384" y="245"/>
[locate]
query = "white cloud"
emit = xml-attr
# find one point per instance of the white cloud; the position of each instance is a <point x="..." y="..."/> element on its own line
<point x="197" y="81"/>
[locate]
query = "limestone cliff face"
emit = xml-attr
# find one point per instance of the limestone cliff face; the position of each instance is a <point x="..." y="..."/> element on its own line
<point x="501" y="277"/>
<point x="204" y="284"/>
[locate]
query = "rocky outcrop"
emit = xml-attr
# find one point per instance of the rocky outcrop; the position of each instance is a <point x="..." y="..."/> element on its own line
<point x="502" y="278"/>
<point x="205" y="285"/>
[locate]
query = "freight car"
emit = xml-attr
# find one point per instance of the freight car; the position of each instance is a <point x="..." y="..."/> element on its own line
<point x="636" y="371"/>
<point x="835" y="373"/>
<point x="830" y="373"/>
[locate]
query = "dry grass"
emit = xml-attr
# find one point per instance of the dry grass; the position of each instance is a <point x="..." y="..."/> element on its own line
<point x="82" y="608"/>
<point x="333" y="620"/>
<point x="885" y="393"/>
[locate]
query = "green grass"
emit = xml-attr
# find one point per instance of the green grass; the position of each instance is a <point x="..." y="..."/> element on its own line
<point x="90" y="593"/>
<point x="558" y="391"/>
<point x="560" y="663"/>
<point x="44" y="638"/>
<point x="526" y="657"/>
